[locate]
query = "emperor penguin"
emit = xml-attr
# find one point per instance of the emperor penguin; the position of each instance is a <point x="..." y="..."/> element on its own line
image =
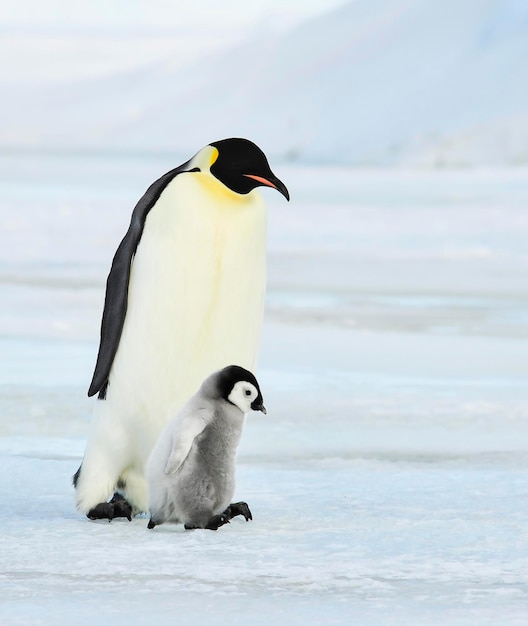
<point x="191" y="469"/>
<point x="184" y="296"/>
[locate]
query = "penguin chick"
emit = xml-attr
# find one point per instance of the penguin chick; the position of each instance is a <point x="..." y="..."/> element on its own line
<point x="191" y="469"/>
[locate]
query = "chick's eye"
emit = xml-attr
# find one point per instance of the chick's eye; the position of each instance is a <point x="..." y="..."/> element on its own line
<point x="248" y="392"/>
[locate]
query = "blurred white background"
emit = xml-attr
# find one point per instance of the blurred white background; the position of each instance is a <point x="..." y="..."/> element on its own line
<point x="364" y="82"/>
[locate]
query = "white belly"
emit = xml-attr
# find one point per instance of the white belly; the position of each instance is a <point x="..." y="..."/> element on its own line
<point x="195" y="299"/>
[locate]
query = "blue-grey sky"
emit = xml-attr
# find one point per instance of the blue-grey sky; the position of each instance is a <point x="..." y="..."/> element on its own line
<point x="73" y="39"/>
<point x="155" y="13"/>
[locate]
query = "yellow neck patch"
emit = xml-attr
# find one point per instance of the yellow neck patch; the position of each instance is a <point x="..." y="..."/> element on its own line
<point x="220" y="191"/>
<point x="214" y="156"/>
<point x="205" y="158"/>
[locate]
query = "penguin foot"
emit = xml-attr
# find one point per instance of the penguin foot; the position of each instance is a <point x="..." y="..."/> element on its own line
<point x="238" y="508"/>
<point x="151" y="524"/>
<point x="117" y="507"/>
<point x="213" y="524"/>
<point x="216" y="521"/>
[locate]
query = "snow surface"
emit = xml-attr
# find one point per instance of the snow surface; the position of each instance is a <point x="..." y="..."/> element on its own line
<point x="401" y="82"/>
<point x="388" y="481"/>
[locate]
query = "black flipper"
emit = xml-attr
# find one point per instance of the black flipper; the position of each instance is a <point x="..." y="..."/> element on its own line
<point x="116" y="298"/>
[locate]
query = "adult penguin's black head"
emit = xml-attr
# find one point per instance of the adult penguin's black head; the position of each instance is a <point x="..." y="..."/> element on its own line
<point x="241" y="166"/>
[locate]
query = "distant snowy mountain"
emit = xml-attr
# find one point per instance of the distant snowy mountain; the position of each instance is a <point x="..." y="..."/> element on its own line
<point x="436" y="82"/>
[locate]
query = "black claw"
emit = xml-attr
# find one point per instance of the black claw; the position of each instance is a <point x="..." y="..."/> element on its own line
<point x="122" y="507"/>
<point x="238" y="508"/>
<point x="104" y="510"/>
<point x="117" y="507"/>
<point x="216" y="521"/>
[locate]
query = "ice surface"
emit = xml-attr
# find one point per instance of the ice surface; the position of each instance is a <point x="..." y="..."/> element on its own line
<point x="388" y="481"/>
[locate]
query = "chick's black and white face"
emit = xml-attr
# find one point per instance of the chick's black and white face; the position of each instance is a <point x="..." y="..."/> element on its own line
<point x="246" y="397"/>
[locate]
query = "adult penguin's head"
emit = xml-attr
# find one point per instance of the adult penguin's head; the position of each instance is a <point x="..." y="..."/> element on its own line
<point x="241" y="166"/>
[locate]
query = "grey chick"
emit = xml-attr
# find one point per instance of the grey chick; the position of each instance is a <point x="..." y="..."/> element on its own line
<point x="191" y="469"/>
